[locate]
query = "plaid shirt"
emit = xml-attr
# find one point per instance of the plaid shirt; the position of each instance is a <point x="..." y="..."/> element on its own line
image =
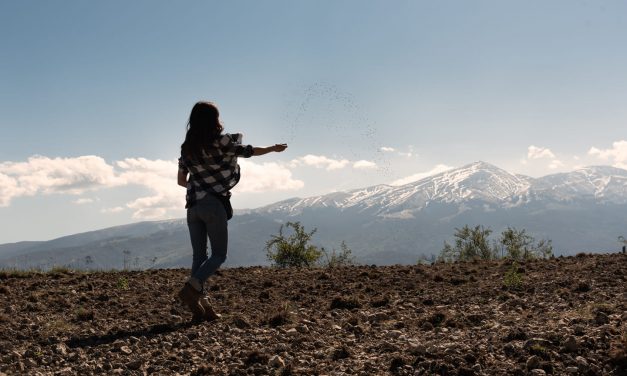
<point x="217" y="171"/>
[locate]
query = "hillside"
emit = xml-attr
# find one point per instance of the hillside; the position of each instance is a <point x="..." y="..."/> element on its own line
<point x="581" y="211"/>
<point x="569" y="316"/>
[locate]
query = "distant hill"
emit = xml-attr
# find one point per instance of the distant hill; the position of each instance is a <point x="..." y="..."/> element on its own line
<point x="584" y="210"/>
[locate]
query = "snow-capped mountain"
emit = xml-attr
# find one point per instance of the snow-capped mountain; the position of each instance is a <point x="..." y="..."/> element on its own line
<point x="583" y="210"/>
<point x="476" y="182"/>
<point x="601" y="183"/>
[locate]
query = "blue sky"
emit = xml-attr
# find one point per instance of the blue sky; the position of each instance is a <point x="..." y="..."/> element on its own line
<point x="94" y="97"/>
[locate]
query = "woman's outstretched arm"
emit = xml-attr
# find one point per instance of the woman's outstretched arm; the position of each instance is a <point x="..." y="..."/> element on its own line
<point x="274" y="148"/>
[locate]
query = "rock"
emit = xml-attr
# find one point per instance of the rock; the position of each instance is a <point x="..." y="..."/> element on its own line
<point x="537" y="372"/>
<point x="601" y="318"/>
<point x="417" y="349"/>
<point x="379" y="316"/>
<point x="126" y="350"/>
<point x="571" y="370"/>
<point x="241" y="323"/>
<point x="533" y="362"/>
<point x="134" y="365"/>
<point x="393" y="334"/>
<point x="30" y="362"/>
<point x="15" y="355"/>
<point x="303" y="329"/>
<point x="276" y="362"/>
<point x="582" y="363"/>
<point x="579" y="330"/>
<point x="570" y="344"/>
<point x="292" y="332"/>
<point x="60" y="348"/>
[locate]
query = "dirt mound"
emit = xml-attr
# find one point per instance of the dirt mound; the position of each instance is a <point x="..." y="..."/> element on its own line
<point x="559" y="316"/>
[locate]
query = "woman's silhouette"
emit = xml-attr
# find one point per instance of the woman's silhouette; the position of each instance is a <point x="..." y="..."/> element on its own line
<point x="208" y="169"/>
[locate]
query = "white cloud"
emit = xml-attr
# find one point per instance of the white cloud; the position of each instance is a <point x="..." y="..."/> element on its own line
<point x="83" y="201"/>
<point x="266" y="177"/>
<point x="8" y="189"/>
<point x="74" y="176"/>
<point x="387" y="149"/>
<point x="535" y="152"/>
<point x="617" y="154"/>
<point x="58" y="175"/>
<point x="555" y="164"/>
<point x="320" y="161"/>
<point x="421" y="175"/>
<point x="363" y="164"/>
<point x="159" y="176"/>
<point x="116" y="209"/>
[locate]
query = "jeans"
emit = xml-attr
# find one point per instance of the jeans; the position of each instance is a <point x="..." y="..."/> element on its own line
<point x="207" y="218"/>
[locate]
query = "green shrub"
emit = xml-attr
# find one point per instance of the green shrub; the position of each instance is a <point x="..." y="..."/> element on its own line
<point x="470" y="243"/>
<point x="122" y="283"/>
<point x="293" y="250"/>
<point x="473" y="243"/>
<point x="513" y="279"/>
<point x="336" y="259"/>
<point x="521" y="246"/>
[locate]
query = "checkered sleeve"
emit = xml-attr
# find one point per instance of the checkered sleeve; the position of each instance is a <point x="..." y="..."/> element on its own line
<point x="236" y="148"/>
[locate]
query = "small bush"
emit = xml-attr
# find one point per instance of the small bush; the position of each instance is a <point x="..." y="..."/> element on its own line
<point x="513" y="279"/>
<point x="122" y="283"/>
<point x="336" y="259"/>
<point x="294" y="250"/>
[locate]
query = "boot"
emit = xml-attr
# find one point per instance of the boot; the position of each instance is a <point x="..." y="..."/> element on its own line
<point x="190" y="297"/>
<point x="210" y="314"/>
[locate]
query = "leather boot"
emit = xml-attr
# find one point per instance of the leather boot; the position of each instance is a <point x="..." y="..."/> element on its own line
<point x="210" y="314"/>
<point x="190" y="297"/>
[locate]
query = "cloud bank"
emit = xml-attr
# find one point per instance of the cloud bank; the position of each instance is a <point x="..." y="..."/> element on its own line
<point x="330" y="164"/>
<point x="617" y="154"/>
<point x="40" y="175"/>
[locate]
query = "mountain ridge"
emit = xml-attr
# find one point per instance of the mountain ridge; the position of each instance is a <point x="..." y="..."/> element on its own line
<point x="581" y="210"/>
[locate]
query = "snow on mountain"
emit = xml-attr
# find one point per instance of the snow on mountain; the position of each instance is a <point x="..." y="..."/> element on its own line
<point x="476" y="182"/>
<point x="602" y="183"/>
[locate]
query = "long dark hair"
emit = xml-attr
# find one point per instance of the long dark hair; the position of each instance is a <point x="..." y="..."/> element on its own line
<point x="203" y="129"/>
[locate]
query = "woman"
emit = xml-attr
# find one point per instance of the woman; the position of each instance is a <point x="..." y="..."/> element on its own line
<point x="208" y="169"/>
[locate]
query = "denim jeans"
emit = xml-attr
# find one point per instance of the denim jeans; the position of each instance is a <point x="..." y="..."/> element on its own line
<point x="207" y="218"/>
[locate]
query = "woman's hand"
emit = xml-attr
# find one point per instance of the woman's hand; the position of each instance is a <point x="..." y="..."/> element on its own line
<point x="276" y="148"/>
<point x="279" y="147"/>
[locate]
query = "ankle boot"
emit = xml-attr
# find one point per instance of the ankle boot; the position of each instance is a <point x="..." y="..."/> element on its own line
<point x="190" y="297"/>
<point x="210" y="314"/>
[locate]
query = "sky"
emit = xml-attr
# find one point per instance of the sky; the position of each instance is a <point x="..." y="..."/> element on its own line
<point x="95" y="96"/>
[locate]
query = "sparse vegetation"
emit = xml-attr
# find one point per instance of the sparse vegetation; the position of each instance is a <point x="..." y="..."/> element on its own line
<point x="473" y="243"/>
<point x="513" y="278"/>
<point x="336" y="259"/>
<point x="294" y="250"/>
<point x="519" y="245"/>
<point x="470" y="243"/>
<point x="122" y="283"/>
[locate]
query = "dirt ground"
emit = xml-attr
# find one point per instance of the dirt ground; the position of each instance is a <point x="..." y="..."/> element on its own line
<point x="563" y="316"/>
